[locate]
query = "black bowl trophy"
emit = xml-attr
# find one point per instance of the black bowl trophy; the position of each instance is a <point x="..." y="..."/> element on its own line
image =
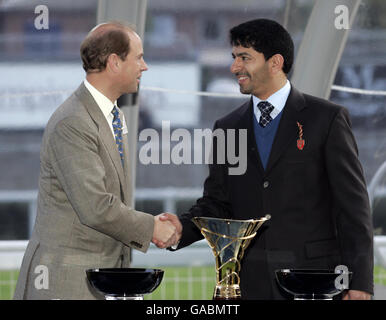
<point x="228" y="239"/>
<point x="314" y="284"/>
<point x="124" y="283"/>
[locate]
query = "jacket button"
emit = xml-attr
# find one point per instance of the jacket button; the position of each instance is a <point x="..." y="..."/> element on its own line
<point x="265" y="184"/>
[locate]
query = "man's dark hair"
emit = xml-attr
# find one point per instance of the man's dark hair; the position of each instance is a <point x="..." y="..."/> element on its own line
<point x="267" y="37"/>
<point x="101" y="43"/>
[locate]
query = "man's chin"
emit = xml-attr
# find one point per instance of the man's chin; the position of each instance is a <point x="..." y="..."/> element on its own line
<point x="245" y="90"/>
<point x="131" y="90"/>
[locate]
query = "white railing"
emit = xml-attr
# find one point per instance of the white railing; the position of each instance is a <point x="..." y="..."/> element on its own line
<point x="167" y="196"/>
<point x="11" y="254"/>
<point x="197" y="254"/>
<point x="380" y="250"/>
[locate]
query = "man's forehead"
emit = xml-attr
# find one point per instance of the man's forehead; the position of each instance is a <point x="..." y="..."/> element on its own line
<point x="133" y="35"/>
<point x="238" y="50"/>
<point x="135" y="39"/>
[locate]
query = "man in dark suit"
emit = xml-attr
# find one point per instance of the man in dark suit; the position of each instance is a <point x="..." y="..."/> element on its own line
<point x="302" y="170"/>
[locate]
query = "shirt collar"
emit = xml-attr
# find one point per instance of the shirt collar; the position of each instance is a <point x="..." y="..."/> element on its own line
<point x="102" y="101"/>
<point x="278" y="100"/>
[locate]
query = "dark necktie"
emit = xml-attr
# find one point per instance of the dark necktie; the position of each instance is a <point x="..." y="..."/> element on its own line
<point x="265" y="108"/>
<point x="117" y="126"/>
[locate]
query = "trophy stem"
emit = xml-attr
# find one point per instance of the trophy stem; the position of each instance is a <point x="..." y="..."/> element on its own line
<point x="228" y="280"/>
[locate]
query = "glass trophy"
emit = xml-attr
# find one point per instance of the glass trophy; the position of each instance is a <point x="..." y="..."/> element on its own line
<point x="228" y="239"/>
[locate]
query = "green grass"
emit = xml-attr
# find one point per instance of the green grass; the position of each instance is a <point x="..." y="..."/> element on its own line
<point x="379" y="275"/>
<point x="179" y="283"/>
<point x="194" y="283"/>
<point x="7" y="284"/>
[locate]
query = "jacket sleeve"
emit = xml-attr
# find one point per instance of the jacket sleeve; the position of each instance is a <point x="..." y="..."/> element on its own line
<point x="350" y="197"/>
<point x="76" y="161"/>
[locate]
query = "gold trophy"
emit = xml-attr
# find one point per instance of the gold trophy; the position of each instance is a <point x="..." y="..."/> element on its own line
<point x="228" y="239"/>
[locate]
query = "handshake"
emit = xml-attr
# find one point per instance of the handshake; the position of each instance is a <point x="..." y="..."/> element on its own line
<point x="167" y="230"/>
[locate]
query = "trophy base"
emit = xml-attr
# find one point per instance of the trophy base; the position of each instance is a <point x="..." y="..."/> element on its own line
<point x="229" y="292"/>
<point x="312" y="297"/>
<point x="133" y="297"/>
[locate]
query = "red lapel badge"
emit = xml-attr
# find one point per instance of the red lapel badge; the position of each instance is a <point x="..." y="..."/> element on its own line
<point x="300" y="142"/>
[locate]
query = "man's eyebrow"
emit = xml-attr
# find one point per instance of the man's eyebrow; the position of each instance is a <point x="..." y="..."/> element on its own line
<point x="240" y="54"/>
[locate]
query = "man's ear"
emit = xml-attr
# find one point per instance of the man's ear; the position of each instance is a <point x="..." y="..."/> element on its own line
<point x="113" y="63"/>
<point x="276" y="63"/>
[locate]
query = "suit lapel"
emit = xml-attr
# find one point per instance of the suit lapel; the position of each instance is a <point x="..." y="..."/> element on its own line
<point x="104" y="131"/>
<point x="127" y="167"/>
<point x="288" y="130"/>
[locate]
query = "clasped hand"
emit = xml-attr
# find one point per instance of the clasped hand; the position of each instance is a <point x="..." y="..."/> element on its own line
<point x="167" y="230"/>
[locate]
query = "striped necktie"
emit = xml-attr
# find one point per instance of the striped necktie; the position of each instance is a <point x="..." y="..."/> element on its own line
<point x="117" y="126"/>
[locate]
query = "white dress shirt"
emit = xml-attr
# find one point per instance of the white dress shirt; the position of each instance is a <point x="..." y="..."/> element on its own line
<point x="105" y="105"/>
<point x="278" y="100"/>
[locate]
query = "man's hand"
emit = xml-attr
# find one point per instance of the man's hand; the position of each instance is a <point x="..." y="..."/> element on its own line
<point x="356" y="295"/>
<point x="173" y="219"/>
<point x="164" y="234"/>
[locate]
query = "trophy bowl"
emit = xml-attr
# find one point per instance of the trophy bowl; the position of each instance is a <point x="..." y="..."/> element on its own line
<point x="311" y="284"/>
<point x="124" y="283"/>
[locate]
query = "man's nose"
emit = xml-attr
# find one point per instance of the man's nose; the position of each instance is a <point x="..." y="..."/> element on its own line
<point x="144" y="66"/>
<point x="235" y="66"/>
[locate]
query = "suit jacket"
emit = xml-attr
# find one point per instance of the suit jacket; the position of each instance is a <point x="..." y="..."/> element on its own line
<point x="317" y="197"/>
<point x="84" y="217"/>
